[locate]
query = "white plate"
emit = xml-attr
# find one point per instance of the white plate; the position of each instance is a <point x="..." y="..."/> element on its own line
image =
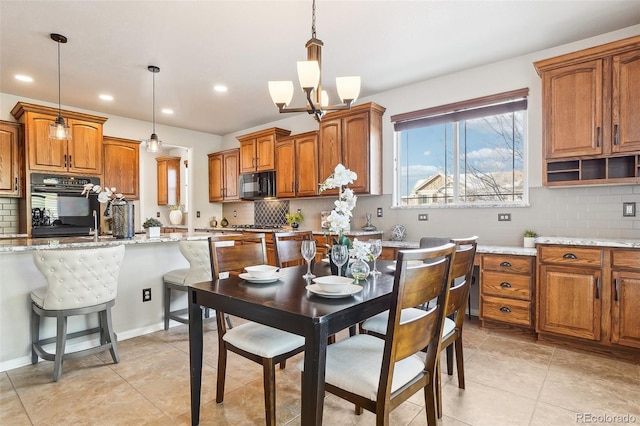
<point x="411" y="264"/>
<point x="350" y="291"/>
<point x="248" y="277"/>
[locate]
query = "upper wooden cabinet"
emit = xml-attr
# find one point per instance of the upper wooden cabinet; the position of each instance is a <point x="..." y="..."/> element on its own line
<point x="168" y="180"/>
<point x="82" y="154"/>
<point x="122" y="166"/>
<point x="591" y="105"/>
<point x="223" y="175"/>
<point x="11" y="151"/>
<point x="353" y="138"/>
<point x="257" y="150"/>
<point x="296" y="162"/>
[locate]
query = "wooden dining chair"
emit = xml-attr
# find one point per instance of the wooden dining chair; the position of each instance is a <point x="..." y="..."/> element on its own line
<point x="288" y="245"/>
<point x="262" y="344"/>
<point x="378" y="375"/>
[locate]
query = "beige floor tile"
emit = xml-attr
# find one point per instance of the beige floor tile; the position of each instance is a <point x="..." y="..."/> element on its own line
<point x="421" y="420"/>
<point x="550" y="415"/>
<point x="12" y="411"/>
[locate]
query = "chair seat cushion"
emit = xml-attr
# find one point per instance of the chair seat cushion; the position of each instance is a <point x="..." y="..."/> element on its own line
<point x="38" y="296"/>
<point x="378" y="323"/>
<point x="177" y="276"/>
<point x="262" y="340"/>
<point x="449" y="327"/>
<point x="354" y="365"/>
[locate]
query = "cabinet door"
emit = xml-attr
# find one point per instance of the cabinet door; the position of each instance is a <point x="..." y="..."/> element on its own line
<point x="10" y="144"/>
<point x="626" y="102"/>
<point x="84" y="150"/>
<point x="285" y="169"/>
<point x="230" y="167"/>
<point x="572" y="106"/>
<point x="569" y="301"/>
<point x="625" y="319"/>
<point x="329" y="150"/>
<point x="44" y="154"/>
<point x="355" y="149"/>
<point x="265" y="146"/>
<point x="248" y="156"/>
<point x="216" y="178"/>
<point x="306" y="166"/>
<point x="121" y="166"/>
<point x="168" y="180"/>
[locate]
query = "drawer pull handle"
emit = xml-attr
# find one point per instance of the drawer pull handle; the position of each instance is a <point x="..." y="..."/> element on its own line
<point x="505" y="285"/>
<point x="570" y="256"/>
<point x="505" y="309"/>
<point x="506" y="264"/>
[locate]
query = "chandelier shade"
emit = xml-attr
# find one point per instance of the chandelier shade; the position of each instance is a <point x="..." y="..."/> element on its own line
<point x="153" y="144"/>
<point x="310" y="78"/>
<point x="59" y="130"/>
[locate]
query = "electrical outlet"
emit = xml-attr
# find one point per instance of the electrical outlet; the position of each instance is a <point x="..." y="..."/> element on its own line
<point x="504" y="217"/>
<point x="235" y="213"/>
<point x="146" y="294"/>
<point x="157" y="214"/>
<point x="198" y="213"/>
<point x="379" y="211"/>
<point x="628" y="209"/>
<point x="423" y="216"/>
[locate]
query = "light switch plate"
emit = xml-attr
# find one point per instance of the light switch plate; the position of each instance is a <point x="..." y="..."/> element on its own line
<point x="504" y="217"/>
<point x="423" y="216"/>
<point x="628" y="209"/>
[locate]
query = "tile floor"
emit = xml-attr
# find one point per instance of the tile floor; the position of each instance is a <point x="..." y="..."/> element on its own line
<point x="510" y="380"/>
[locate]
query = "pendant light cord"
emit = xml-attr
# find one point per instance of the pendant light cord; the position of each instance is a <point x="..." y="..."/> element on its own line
<point x="153" y="111"/>
<point x="59" y="104"/>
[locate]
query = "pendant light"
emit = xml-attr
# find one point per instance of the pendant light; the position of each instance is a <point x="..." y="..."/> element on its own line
<point x="59" y="129"/>
<point x="153" y="143"/>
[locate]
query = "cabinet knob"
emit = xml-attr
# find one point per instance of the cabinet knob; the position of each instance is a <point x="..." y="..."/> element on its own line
<point x="505" y="309"/>
<point x="505" y="285"/>
<point x="506" y="264"/>
<point x="570" y="256"/>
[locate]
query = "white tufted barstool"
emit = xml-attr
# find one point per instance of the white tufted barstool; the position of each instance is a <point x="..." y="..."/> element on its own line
<point x="80" y="282"/>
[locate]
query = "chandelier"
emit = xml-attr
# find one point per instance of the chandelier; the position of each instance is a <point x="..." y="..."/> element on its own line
<point x="59" y="129"/>
<point x="153" y="143"/>
<point x="309" y="74"/>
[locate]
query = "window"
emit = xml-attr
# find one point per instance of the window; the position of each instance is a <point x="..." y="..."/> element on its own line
<point x="470" y="152"/>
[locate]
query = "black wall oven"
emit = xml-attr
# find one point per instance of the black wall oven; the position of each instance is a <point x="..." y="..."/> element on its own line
<point x="58" y="207"/>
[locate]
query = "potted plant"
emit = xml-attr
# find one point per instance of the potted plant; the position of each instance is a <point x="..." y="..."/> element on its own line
<point x="530" y="239"/>
<point x="294" y="219"/>
<point x="152" y="226"/>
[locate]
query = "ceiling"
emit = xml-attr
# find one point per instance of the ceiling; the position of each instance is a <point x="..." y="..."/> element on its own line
<point x="243" y="44"/>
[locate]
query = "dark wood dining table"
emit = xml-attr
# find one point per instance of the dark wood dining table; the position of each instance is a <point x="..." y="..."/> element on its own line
<point x="287" y="305"/>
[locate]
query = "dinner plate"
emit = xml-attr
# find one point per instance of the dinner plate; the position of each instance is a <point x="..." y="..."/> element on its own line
<point x="248" y="277"/>
<point x="410" y="264"/>
<point x="350" y="290"/>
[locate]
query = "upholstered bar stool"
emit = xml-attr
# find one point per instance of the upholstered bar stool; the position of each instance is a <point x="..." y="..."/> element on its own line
<point x="80" y="282"/>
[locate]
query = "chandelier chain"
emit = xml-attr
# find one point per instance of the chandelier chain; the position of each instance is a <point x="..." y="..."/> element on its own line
<point x="313" y="20"/>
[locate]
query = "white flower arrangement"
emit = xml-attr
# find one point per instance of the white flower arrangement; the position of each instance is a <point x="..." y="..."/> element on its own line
<point x="341" y="215"/>
<point x="361" y="250"/>
<point x="105" y="195"/>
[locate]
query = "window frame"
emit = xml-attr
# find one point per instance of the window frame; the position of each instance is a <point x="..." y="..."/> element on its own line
<point x="414" y="118"/>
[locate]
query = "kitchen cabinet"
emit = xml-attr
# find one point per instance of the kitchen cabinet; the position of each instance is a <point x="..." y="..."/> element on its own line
<point x="223" y="175"/>
<point x="257" y="149"/>
<point x="353" y="138"/>
<point x="122" y="166"/>
<point x="591" y="104"/>
<point x="82" y="154"/>
<point x="324" y="241"/>
<point x="296" y="164"/>
<point x="507" y="289"/>
<point x="11" y="152"/>
<point x="625" y="278"/>
<point x="168" y="180"/>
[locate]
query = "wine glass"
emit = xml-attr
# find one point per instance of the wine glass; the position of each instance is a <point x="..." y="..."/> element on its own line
<point x="308" y="250"/>
<point x="339" y="255"/>
<point x="376" y="250"/>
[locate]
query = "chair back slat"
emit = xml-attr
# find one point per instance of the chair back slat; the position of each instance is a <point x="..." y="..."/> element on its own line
<point x="247" y="250"/>
<point x="461" y="273"/>
<point x="288" y="247"/>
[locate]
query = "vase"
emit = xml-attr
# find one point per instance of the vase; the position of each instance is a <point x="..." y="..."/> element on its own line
<point x="334" y="267"/>
<point x="360" y="270"/>
<point x="175" y="217"/>
<point x="153" y="232"/>
<point x="122" y="215"/>
<point x="295" y="225"/>
<point x="529" y="242"/>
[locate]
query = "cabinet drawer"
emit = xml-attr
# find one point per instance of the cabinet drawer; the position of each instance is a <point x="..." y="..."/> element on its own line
<point x="511" y="264"/>
<point x="506" y="285"/>
<point x="625" y="259"/>
<point x="506" y="310"/>
<point x="574" y="256"/>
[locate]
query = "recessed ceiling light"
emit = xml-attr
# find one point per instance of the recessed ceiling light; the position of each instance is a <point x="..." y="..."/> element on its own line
<point x="106" y="97"/>
<point x="220" y="88"/>
<point x="24" y="78"/>
<point x="167" y="111"/>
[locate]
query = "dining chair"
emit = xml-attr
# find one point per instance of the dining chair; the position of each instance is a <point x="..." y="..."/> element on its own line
<point x="262" y="344"/>
<point x="288" y="245"/>
<point x="378" y="375"/>
<point x="79" y="282"/>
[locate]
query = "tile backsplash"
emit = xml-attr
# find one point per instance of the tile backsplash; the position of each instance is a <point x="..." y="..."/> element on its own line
<point x="8" y="215"/>
<point x="271" y="212"/>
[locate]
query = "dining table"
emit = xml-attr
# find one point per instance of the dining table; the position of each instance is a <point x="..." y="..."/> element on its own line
<point x="287" y="304"/>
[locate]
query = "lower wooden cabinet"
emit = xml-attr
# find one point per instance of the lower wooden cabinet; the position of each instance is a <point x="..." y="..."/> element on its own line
<point x="323" y="242"/>
<point x="625" y="280"/>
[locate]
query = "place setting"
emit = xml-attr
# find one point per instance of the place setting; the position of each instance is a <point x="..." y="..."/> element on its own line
<point x="261" y="274"/>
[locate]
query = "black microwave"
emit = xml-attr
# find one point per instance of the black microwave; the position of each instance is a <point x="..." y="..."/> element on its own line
<point x="257" y="186"/>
